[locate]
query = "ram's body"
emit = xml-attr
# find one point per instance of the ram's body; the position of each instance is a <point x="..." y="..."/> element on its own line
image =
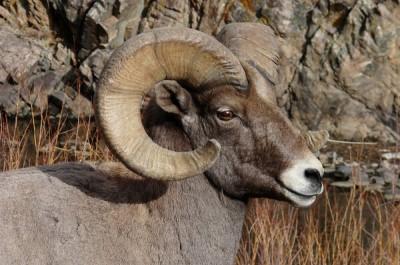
<point x="102" y="213"/>
<point x="75" y="214"/>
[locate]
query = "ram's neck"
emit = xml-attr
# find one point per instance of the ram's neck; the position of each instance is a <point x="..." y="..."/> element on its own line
<point x="194" y="224"/>
<point x="202" y="225"/>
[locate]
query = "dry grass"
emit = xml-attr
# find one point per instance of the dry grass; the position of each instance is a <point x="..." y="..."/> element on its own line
<point x="342" y="228"/>
<point x="43" y="140"/>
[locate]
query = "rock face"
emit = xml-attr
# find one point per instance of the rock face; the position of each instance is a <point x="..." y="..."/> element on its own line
<point x="346" y="78"/>
<point x="340" y="69"/>
<point x="29" y="73"/>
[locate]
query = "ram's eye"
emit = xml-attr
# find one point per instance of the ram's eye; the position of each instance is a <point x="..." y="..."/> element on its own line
<point x="225" y="115"/>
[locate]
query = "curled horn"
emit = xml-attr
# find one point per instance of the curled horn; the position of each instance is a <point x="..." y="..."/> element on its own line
<point x="258" y="49"/>
<point x="255" y="44"/>
<point x="136" y="67"/>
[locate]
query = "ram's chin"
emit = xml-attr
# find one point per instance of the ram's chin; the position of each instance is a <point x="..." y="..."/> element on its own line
<point x="299" y="200"/>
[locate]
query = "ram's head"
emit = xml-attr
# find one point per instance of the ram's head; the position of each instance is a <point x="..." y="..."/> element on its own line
<point x="222" y="98"/>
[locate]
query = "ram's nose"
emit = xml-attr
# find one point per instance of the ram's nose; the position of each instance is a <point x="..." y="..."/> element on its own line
<point x="315" y="178"/>
<point x="304" y="176"/>
<point x="313" y="175"/>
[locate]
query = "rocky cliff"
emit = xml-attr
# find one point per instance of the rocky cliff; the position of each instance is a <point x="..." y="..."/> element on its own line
<point x="340" y="69"/>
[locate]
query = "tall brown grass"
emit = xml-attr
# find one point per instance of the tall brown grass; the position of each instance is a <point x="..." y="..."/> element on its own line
<point x="45" y="140"/>
<point x="354" y="227"/>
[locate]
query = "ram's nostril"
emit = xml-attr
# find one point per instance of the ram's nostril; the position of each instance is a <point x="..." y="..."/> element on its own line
<point x="313" y="174"/>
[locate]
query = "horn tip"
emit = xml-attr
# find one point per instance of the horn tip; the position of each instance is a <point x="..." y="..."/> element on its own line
<point x="213" y="148"/>
<point x="215" y="144"/>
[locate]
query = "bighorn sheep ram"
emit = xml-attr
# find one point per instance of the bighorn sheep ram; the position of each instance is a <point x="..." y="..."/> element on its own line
<point x="208" y="136"/>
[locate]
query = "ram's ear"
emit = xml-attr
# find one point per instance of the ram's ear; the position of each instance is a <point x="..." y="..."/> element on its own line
<point x="173" y="98"/>
<point x="316" y="139"/>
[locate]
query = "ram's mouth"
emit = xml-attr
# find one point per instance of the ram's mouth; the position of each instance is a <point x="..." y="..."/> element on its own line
<point x="299" y="199"/>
